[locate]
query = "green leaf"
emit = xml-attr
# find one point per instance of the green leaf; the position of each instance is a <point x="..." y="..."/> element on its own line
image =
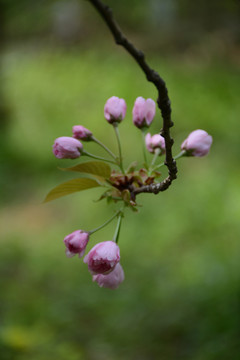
<point x="96" y="168"/>
<point x="70" y="187"/>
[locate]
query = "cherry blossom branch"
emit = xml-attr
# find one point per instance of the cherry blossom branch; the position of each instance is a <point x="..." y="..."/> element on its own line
<point x="163" y="100"/>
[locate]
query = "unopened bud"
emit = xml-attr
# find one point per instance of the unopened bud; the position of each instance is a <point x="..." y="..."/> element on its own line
<point x="67" y="148"/>
<point x="143" y="112"/>
<point x="76" y="243"/>
<point x="197" y="143"/>
<point x="115" y="110"/>
<point x="112" y="280"/>
<point x="81" y="133"/>
<point x="103" y="258"/>
<point x="155" y="142"/>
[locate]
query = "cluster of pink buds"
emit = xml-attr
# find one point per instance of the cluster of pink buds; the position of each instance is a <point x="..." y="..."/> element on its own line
<point x="122" y="183"/>
<point x="102" y="260"/>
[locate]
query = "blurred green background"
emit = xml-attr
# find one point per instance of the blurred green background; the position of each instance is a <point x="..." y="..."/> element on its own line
<point x="180" y="253"/>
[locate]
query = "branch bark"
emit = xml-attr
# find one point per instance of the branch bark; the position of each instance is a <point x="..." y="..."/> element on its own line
<point x="163" y="100"/>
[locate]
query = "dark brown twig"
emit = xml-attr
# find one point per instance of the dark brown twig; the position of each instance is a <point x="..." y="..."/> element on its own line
<point x="163" y="100"/>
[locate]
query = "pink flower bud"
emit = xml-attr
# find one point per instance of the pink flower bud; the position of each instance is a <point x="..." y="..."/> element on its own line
<point x="143" y="112"/>
<point x="115" y="109"/>
<point x="81" y="133"/>
<point x="103" y="257"/>
<point x="67" y="148"/>
<point x="112" y="280"/>
<point x="155" y="142"/>
<point x="76" y="243"/>
<point x="198" y="143"/>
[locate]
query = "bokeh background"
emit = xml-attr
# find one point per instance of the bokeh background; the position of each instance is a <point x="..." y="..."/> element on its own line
<point x="180" y="253"/>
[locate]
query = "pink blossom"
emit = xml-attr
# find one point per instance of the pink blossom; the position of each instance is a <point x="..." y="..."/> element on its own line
<point x="198" y="143"/>
<point x="76" y="243"/>
<point x="155" y="142"/>
<point x="115" y="109"/>
<point x="143" y="112"/>
<point x="81" y="133"/>
<point x="103" y="257"/>
<point x="112" y="280"/>
<point x="67" y="148"/>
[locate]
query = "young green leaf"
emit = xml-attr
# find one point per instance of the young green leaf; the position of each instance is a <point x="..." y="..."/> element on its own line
<point x="132" y="167"/>
<point x="96" y="168"/>
<point x="70" y="187"/>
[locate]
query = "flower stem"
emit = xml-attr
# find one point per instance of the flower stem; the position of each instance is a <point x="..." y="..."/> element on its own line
<point x="98" y="157"/>
<point x="157" y="152"/>
<point x="151" y="168"/>
<point x="115" y="126"/>
<point x="104" y="224"/>
<point x="158" y="166"/>
<point x="104" y="147"/>
<point x="144" y="148"/>
<point x="117" y="232"/>
<point x="181" y="154"/>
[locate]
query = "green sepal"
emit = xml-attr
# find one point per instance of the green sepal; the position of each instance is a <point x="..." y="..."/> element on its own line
<point x="131" y="168"/>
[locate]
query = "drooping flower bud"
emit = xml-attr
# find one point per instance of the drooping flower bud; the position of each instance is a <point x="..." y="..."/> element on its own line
<point x="197" y="143"/>
<point x="76" y="243"/>
<point x="111" y="280"/>
<point x="81" y="133"/>
<point x="115" y="110"/>
<point x="155" y="142"/>
<point x="143" y="112"/>
<point x="102" y="258"/>
<point x="67" y="148"/>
